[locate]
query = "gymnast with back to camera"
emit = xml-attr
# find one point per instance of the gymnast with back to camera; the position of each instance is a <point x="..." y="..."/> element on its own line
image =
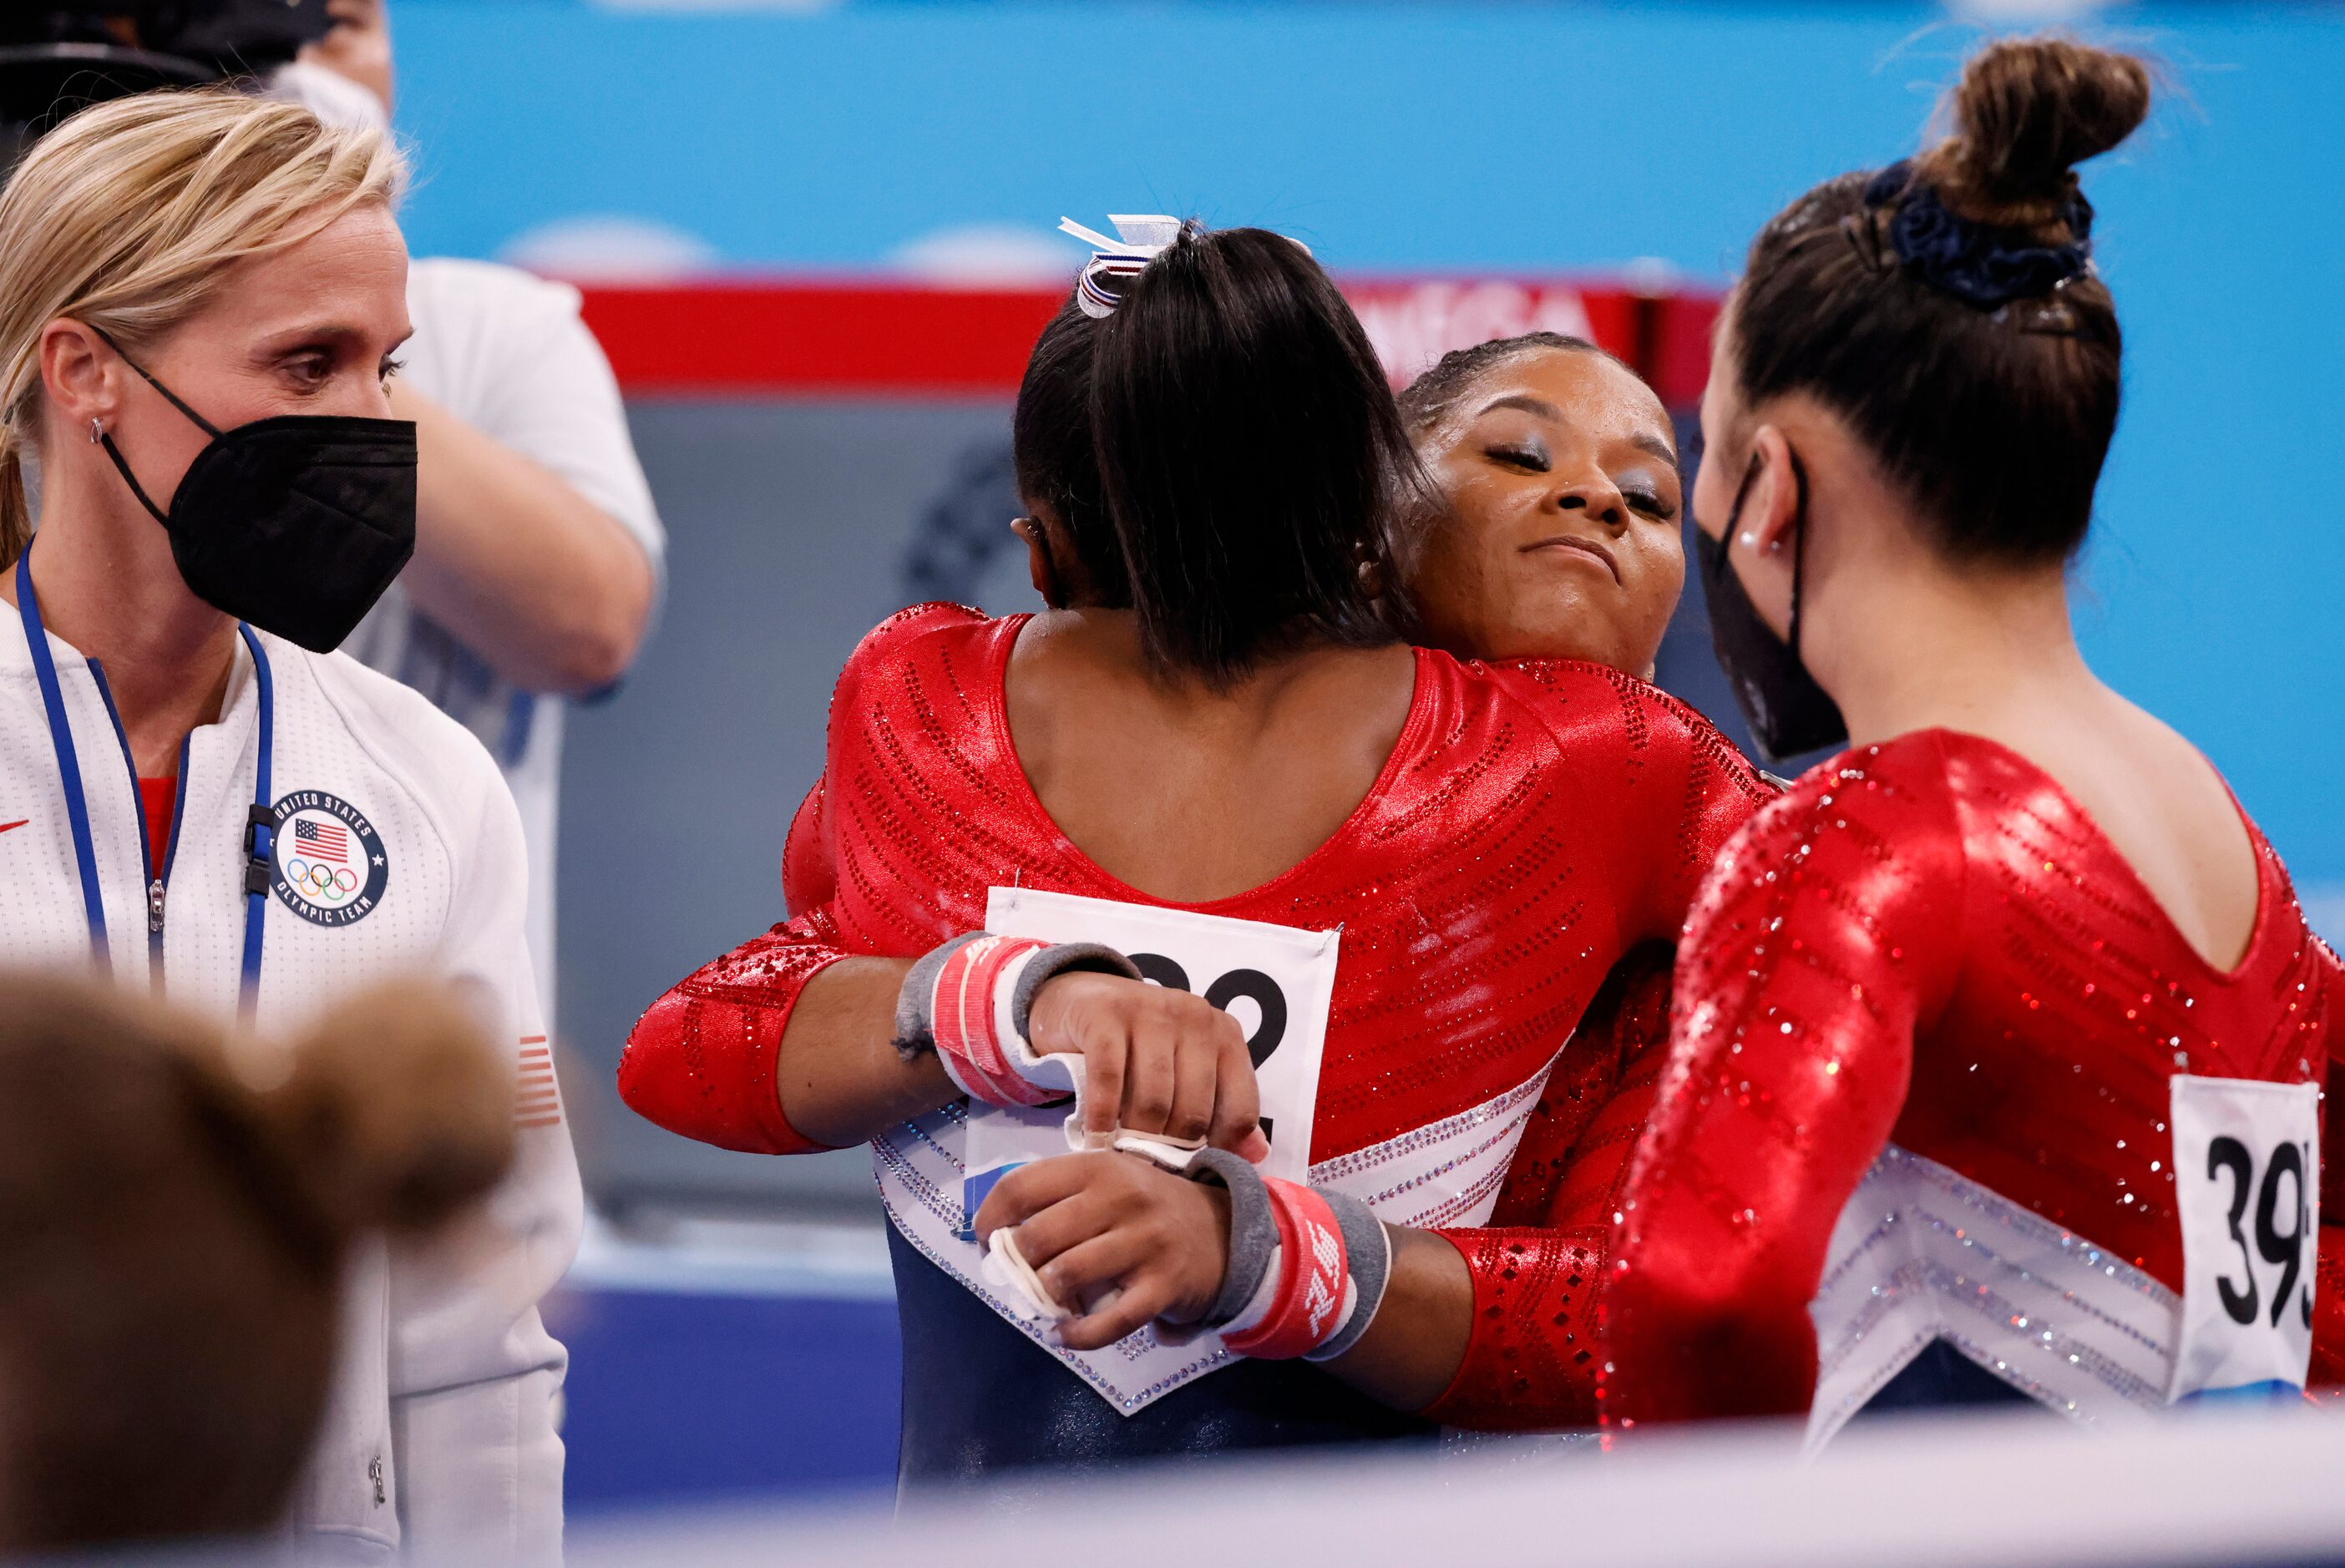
<point x="1490" y="839"/>
<point x="2000" y="1036"/>
<point x="1551" y="530"/>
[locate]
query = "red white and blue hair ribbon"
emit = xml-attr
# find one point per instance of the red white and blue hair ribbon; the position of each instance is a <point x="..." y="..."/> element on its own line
<point x="1141" y="239"/>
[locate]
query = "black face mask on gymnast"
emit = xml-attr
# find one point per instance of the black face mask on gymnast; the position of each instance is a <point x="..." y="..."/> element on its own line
<point x="296" y="524"/>
<point x="1788" y="713"/>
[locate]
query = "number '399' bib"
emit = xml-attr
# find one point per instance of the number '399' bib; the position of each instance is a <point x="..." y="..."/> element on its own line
<point x="2247" y="1177"/>
<point x="1923" y="1253"/>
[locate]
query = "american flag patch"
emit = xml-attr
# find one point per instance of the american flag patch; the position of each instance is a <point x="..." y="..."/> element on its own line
<point x="322" y="840"/>
<point x="540" y="1101"/>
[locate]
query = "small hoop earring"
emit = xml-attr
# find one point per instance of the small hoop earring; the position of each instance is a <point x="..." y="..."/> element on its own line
<point x="96" y="431"/>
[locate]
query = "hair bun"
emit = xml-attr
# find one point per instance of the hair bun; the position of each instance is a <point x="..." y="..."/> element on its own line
<point x="397" y="1109"/>
<point x="2025" y="113"/>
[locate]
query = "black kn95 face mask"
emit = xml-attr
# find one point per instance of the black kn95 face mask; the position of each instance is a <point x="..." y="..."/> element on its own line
<point x="296" y="524"/>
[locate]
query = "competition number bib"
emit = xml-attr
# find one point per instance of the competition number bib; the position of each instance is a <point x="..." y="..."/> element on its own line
<point x="2246" y="1177"/>
<point x="1275" y="980"/>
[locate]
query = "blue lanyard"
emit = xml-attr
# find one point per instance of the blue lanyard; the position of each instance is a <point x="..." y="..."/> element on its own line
<point x="260" y="822"/>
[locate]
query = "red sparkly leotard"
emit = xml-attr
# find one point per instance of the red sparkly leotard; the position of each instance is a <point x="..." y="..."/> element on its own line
<point x="1535" y="822"/>
<point x="1926" y="964"/>
<point x="1550" y="1232"/>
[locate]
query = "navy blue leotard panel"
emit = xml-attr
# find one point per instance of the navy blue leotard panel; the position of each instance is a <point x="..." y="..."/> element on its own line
<point x="982" y="1397"/>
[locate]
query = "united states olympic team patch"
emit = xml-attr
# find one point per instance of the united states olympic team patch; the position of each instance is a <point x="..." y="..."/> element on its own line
<point x="327" y="863"/>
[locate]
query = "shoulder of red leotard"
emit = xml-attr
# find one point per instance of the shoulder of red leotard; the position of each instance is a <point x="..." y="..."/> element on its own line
<point x="1844" y="818"/>
<point x="1896" y="787"/>
<point x="809" y="878"/>
<point x="1603" y="719"/>
<point x="898" y="636"/>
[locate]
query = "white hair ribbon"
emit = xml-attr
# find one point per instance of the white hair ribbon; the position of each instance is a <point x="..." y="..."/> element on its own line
<point x="1142" y="237"/>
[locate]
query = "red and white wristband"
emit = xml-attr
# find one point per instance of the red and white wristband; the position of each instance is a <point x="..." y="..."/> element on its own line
<point x="1306" y="1269"/>
<point x="970" y="1000"/>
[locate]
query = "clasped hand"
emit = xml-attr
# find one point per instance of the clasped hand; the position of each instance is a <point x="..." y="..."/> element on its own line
<point x="1118" y="1235"/>
<point x="1113" y="1236"/>
<point x="1156" y="1060"/>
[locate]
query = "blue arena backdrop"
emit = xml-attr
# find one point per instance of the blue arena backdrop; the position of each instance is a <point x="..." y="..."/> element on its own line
<point x="943" y="140"/>
<point x="1506" y="137"/>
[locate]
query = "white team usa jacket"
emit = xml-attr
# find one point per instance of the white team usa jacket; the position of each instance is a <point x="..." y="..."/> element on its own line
<point x="397" y="849"/>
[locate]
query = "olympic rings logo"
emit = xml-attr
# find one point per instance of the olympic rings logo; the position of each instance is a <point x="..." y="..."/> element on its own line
<point x="330" y="865"/>
<point x="318" y="881"/>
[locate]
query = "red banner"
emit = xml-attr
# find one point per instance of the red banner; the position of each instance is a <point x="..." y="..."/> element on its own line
<point x="792" y="336"/>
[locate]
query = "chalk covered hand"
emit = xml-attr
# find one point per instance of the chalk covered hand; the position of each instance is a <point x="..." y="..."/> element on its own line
<point x="1108" y="1242"/>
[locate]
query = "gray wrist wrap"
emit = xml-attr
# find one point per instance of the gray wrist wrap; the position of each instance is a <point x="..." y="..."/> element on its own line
<point x="1253" y="1234"/>
<point x="1367" y="1253"/>
<point x="1253" y="1238"/>
<point x="916" y="1029"/>
<point x="916" y="1032"/>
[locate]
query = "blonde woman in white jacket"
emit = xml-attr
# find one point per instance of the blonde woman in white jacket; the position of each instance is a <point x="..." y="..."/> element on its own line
<point x="201" y="296"/>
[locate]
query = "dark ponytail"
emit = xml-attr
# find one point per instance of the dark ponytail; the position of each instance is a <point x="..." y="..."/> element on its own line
<point x="1057" y="462"/>
<point x="1942" y="306"/>
<point x="1251" y="455"/>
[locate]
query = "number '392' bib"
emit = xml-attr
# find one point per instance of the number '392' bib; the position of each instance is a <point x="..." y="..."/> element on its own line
<point x="1275" y="980"/>
<point x="2247" y="1175"/>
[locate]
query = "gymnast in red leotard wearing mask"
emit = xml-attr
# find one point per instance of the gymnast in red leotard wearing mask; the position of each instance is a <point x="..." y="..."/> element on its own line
<point x="1999" y="1037"/>
<point x="1230" y="731"/>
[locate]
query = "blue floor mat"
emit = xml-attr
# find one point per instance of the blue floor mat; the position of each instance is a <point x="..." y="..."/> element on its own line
<point x="675" y="1398"/>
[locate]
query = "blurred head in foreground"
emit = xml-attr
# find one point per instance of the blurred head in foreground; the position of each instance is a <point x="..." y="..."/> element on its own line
<point x="174" y="1210"/>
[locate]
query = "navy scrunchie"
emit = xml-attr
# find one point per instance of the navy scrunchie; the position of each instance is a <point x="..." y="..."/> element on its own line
<point x="1975" y="262"/>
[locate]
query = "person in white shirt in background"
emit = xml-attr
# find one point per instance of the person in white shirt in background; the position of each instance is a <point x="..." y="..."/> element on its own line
<point x="538" y="552"/>
<point x="201" y="297"/>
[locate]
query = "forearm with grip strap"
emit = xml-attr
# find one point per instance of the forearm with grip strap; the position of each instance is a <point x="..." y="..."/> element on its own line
<point x="1306" y="1267"/>
<point x="971" y="1002"/>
